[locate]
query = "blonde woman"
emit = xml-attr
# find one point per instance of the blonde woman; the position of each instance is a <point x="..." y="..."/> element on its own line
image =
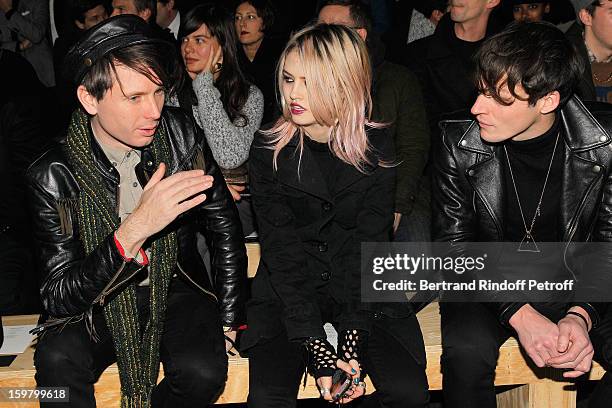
<point x="322" y="184"/>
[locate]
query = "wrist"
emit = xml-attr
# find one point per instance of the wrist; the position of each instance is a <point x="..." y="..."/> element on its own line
<point x="581" y="314"/>
<point x="129" y="237"/>
<point x="518" y="319"/>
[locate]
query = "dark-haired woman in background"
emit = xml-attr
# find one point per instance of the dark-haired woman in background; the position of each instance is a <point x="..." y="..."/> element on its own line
<point x="257" y="52"/>
<point x="225" y="105"/>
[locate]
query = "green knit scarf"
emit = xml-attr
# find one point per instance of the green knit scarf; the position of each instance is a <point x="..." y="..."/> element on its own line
<point x="137" y="353"/>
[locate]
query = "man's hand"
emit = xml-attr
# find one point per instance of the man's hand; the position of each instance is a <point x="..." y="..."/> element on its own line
<point x="574" y="344"/>
<point x="537" y="334"/>
<point x="161" y="202"/>
<point x="6" y="5"/>
<point x="354" y="372"/>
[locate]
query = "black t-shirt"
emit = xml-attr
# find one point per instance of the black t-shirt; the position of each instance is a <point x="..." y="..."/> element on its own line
<point x="530" y="160"/>
<point x="465" y="50"/>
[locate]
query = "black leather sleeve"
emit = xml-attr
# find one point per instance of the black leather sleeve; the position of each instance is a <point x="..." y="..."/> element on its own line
<point x="219" y="216"/>
<point x="71" y="281"/>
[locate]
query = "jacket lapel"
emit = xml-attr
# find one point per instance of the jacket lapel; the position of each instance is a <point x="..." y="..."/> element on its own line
<point x="581" y="168"/>
<point x="485" y="174"/>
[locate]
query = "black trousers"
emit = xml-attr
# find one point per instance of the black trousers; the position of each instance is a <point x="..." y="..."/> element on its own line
<point x="276" y="367"/>
<point x="471" y="338"/>
<point x="192" y="352"/>
<point x="601" y="337"/>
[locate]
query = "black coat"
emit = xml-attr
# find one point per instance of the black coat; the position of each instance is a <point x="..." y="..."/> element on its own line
<point x="468" y="191"/>
<point x="446" y="74"/>
<point x="262" y="73"/>
<point x="73" y="283"/>
<point x="311" y="239"/>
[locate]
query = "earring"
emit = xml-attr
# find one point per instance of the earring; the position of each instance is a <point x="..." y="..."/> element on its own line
<point x="218" y="67"/>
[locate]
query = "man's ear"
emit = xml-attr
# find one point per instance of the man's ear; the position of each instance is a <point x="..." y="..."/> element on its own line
<point x="88" y="101"/>
<point x="80" y="25"/>
<point x="585" y="17"/>
<point x="550" y="102"/>
<point x="491" y="4"/>
<point x="363" y="33"/>
<point x="145" y="14"/>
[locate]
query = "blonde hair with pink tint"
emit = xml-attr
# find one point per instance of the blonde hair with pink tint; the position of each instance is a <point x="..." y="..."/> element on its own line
<point x="337" y="70"/>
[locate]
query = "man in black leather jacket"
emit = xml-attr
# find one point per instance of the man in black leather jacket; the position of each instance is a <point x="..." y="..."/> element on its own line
<point x="535" y="166"/>
<point x="115" y="209"/>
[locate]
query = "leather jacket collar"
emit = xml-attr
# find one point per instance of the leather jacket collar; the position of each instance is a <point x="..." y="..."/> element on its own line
<point x="584" y="167"/>
<point x="580" y="130"/>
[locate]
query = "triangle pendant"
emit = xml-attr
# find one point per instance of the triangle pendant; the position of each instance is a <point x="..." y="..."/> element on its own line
<point x="528" y="244"/>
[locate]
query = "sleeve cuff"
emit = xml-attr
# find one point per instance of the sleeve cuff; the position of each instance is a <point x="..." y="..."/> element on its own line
<point x="140" y="258"/>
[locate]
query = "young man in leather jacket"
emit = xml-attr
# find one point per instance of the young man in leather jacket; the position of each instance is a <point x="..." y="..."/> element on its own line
<point x="534" y="166"/>
<point x="115" y="209"/>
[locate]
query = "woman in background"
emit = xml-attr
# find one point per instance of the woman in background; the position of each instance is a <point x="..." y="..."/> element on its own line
<point x="323" y="183"/>
<point x="225" y="105"/>
<point x="258" y="52"/>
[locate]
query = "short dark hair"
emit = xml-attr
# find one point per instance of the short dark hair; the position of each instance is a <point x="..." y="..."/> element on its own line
<point x="149" y="59"/>
<point x="264" y="9"/>
<point x="591" y="7"/>
<point x="535" y="55"/>
<point x="78" y="8"/>
<point x="142" y="5"/>
<point x="360" y="13"/>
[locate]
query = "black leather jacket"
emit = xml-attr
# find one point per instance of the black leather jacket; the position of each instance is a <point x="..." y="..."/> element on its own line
<point x="468" y="192"/>
<point x="72" y="283"/>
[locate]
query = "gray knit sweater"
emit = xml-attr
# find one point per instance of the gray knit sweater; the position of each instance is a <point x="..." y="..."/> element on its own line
<point x="229" y="141"/>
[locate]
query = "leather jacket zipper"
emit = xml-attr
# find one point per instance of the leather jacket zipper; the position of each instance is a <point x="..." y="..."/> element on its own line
<point x="195" y="283"/>
<point x="107" y="289"/>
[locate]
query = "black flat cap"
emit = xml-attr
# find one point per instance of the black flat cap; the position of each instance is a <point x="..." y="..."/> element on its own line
<point x="111" y="34"/>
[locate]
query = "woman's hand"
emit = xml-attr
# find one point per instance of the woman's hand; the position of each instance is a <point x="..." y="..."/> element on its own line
<point x="357" y="388"/>
<point x="230" y="340"/>
<point x="235" y="190"/>
<point x="215" y="61"/>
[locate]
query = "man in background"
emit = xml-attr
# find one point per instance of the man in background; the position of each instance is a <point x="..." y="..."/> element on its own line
<point x="591" y="34"/>
<point x="168" y="16"/>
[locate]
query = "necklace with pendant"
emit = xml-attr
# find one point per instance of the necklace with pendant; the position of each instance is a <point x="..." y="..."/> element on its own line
<point x="528" y="243"/>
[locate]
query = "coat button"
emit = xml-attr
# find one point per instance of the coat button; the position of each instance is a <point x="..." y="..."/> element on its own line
<point x="470" y="172"/>
<point x="603" y="138"/>
<point x="464" y="143"/>
<point x="325" y="276"/>
<point x="149" y="163"/>
<point x="596" y="169"/>
<point x="377" y="316"/>
<point x="327" y="206"/>
<point x="323" y="247"/>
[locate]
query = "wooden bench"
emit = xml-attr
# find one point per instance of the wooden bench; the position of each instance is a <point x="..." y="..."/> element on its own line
<point x="534" y="387"/>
